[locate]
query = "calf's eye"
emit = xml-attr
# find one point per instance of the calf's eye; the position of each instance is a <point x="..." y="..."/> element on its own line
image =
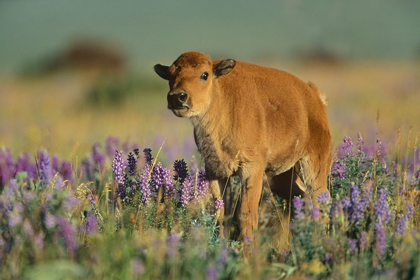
<point x="204" y="76"/>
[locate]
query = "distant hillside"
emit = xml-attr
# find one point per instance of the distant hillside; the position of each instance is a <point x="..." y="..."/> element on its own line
<point x="151" y="31"/>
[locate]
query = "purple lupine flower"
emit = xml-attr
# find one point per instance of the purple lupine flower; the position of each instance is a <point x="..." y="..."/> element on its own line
<point x="132" y="164"/>
<point x="315" y="213"/>
<point x="39" y="241"/>
<point x="14" y="219"/>
<point x="161" y="176"/>
<point x="364" y="242"/>
<point x="181" y="170"/>
<point x="347" y="145"/>
<point x="187" y="191"/>
<point x="360" y="143"/>
<point x="403" y="220"/>
<point x="46" y="173"/>
<point x="357" y="205"/>
<point x="324" y="197"/>
<point x="219" y="204"/>
<point x="24" y="164"/>
<point x="7" y="166"/>
<point x="148" y="155"/>
<point x="118" y="167"/>
<point x="111" y="145"/>
<point x="98" y="156"/>
<point x="380" y="238"/>
<point x="223" y="256"/>
<point x="68" y="233"/>
<point x="202" y="183"/>
<point x="353" y="245"/>
<point x="91" y="224"/>
<point x="211" y="273"/>
<point x="381" y="207"/>
<point x="395" y="169"/>
<point x="55" y="164"/>
<point x="91" y="197"/>
<point x="346" y="203"/>
<point x="66" y="170"/>
<point x="50" y="220"/>
<point x="173" y="244"/>
<point x="339" y="168"/>
<point x="70" y="202"/>
<point x="144" y="182"/>
<point x="298" y="206"/>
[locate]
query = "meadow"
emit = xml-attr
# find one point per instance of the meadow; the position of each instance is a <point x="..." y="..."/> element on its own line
<point x="98" y="180"/>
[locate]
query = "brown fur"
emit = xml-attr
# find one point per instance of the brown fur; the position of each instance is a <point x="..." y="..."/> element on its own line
<point x="251" y="120"/>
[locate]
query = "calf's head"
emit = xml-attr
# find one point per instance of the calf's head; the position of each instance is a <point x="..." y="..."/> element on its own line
<point x="192" y="79"/>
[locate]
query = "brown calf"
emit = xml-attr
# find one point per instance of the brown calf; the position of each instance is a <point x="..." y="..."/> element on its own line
<point x="249" y="121"/>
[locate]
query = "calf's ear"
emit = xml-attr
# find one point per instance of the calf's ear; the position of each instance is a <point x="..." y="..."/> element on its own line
<point x="224" y="67"/>
<point x="162" y="71"/>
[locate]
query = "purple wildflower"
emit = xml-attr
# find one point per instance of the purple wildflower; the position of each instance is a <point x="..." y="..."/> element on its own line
<point x="46" y="173"/>
<point x="24" y="164"/>
<point x="219" y="204"/>
<point x="223" y="256"/>
<point x="161" y="176"/>
<point x="91" y="224"/>
<point x="118" y="167"/>
<point x="380" y="237"/>
<point x="173" y="244"/>
<point x="66" y="170"/>
<point x="324" y="197"/>
<point x="298" y="206"/>
<point x="14" y="219"/>
<point x="39" y="241"/>
<point x="315" y="213"/>
<point x="381" y="207"/>
<point x="98" y="156"/>
<point x="68" y="233"/>
<point x="202" y="183"/>
<point x="181" y="170"/>
<point x="7" y="166"/>
<point x="339" y="168"/>
<point x="403" y="220"/>
<point x="357" y="205"/>
<point x="360" y="143"/>
<point x="148" y="155"/>
<point x="111" y="145"/>
<point x="132" y="164"/>
<point x="145" y="183"/>
<point x="347" y="145"/>
<point x="70" y="202"/>
<point x="50" y="220"/>
<point x="55" y="164"/>
<point x="187" y="191"/>
<point x="353" y="245"/>
<point x="211" y="273"/>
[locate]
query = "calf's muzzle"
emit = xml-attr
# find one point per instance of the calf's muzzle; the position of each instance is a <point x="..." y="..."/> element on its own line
<point x="177" y="100"/>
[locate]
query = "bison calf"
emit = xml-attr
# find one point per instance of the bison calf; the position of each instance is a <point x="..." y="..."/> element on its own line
<point x="252" y="121"/>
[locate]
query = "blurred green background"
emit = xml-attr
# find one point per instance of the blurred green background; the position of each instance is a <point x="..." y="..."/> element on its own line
<point x="74" y="72"/>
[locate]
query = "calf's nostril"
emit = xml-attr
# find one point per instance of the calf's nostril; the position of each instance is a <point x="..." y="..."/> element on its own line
<point x="182" y="97"/>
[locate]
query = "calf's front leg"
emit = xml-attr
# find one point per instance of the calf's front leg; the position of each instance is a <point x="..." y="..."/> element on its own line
<point x="250" y="196"/>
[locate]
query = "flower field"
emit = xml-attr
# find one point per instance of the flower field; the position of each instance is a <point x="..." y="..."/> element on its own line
<point x="119" y="213"/>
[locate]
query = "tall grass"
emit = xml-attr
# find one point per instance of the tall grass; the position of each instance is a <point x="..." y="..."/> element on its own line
<point x="120" y="214"/>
